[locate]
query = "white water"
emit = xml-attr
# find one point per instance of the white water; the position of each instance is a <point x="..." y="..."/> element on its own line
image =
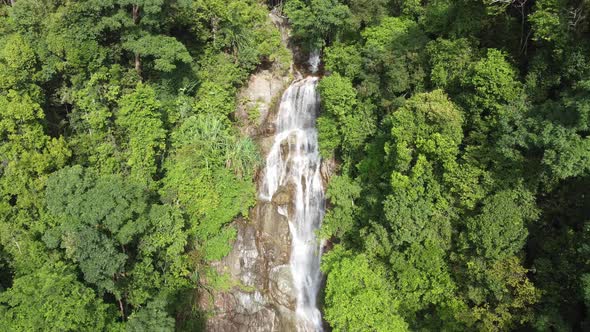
<point x="314" y="61"/>
<point x="294" y="163"/>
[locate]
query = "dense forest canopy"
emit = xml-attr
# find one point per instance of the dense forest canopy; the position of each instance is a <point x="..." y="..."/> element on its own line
<point x="120" y="166"/>
<point x="461" y="130"/>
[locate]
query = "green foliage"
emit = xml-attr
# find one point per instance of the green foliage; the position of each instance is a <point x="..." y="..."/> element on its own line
<point x="17" y="64"/>
<point x="92" y="121"/>
<point x="166" y="51"/>
<point x="344" y="59"/>
<point x="449" y="62"/>
<point x="339" y="219"/>
<point x="343" y="120"/>
<point x="52" y="299"/>
<point x="328" y="135"/>
<point x="164" y="265"/>
<point x="488" y="91"/>
<point x="504" y="297"/>
<point x="367" y="11"/>
<point x="547" y="21"/>
<point x="99" y="104"/>
<point x="559" y="132"/>
<point x="357" y="295"/>
<point x="210" y="176"/>
<point x="316" y="22"/>
<point x="459" y="130"/>
<point x="82" y="206"/>
<point x="140" y="117"/>
<point x="27" y="155"/>
<point x="499" y="230"/>
<point x="152" y="317"/>
<point x="120" y="242"/>
<point x="493" y="81"/>
<point x="429" y="125"/>
<point x="391" y="51"/>
<point x="472" y="113"/>
<point x="422" y="279"/>
<point x="338" y="96"/>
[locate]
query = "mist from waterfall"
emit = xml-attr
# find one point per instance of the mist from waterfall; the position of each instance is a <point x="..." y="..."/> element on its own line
<point x="314" y="61"/>
<point x="293" y="165"/>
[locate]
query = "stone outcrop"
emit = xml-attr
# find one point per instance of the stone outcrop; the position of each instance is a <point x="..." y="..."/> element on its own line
<point x="255" y="102"/>
<point x="263" y="297"/>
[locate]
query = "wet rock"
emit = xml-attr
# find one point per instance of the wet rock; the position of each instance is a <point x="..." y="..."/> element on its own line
<point x="265" y="144"/>
<point x="283" y="196"/>
<point x="263" y="320"/>
<point x="274" y="236"/>
<point x="284" y="199"/>
<point x="268" y="129"/>
<point x="262" y="297"/>
<point x="249" y="303"/>
<point x="242" y="262"/>
<point x="257" y="101"/>
<point x="282" y="289"/>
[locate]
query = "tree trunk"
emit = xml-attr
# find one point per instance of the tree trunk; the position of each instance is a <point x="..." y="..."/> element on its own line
<point x="138" y="64"/>
<point x="122" y="310"/>
<point x="135" y="12"/>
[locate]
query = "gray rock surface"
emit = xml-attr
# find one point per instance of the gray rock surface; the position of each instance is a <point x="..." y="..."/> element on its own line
<point x="262" y="297"/>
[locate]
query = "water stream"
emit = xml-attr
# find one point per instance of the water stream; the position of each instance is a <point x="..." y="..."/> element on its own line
<point x="314" y="61"/>
<point x="293" y="166"/>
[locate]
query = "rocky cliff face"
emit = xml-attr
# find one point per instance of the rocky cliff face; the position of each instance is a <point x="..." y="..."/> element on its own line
<point x="263" y="298"/>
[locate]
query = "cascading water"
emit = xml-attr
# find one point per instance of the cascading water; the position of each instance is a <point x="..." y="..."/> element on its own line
<point x="293" y="165"/>
<point x="314" y="61"/>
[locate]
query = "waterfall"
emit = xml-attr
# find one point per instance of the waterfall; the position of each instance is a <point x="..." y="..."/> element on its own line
<point x="293" y="166"/>
<point x="314" y="61"/>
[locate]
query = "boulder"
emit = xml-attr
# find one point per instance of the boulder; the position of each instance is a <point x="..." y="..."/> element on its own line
<point x="282" y="289"/>
<point x="283" y="196"/>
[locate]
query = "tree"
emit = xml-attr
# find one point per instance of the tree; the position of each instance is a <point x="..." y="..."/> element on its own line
<point x="492" y="85"/>
<point x="95" y="219"/>
<point x="429" y="124"/>
<point x="340" y="218"/>
<point x="341" y="107"/>
<point x="82" y="149"/>
<point x="449" y="62"/>
<point x="140" y="117"/>
<point x="94" y="132"/>
<point x="151" y="318"/>
<point x="557" y="130"/>
<point x="365" y="12"/>
<point x="27" y="156"/>
<point x="51" y="298"/>
<point x="122" y="244"/>
<point x="166" y="52"/>
<point x="391" y="51"/>
<point x="209" y="175"/>
<point x="500" y="294"/>
<point x="316" y="22"/>
<point x="17" y="64"/>
<point x="548" y="21"/>
<point x="344" y="59"/>
<point x="358" y="296"/>
<point x="499" y="230"/>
